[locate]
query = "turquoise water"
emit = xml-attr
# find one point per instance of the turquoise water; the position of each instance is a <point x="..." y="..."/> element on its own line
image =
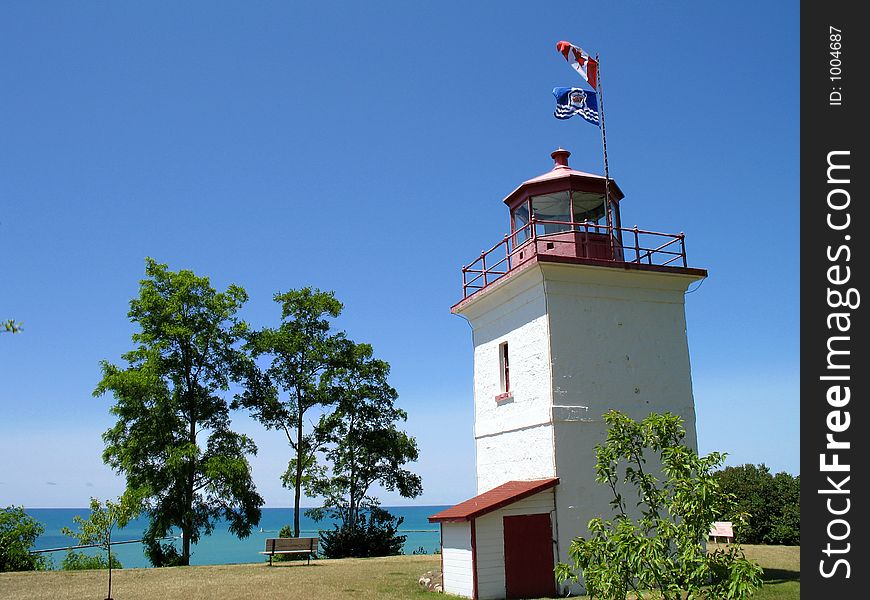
<point x="221" y="547"/>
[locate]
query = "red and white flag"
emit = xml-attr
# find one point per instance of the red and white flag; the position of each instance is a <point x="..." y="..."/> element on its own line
<point x="580" y="61"/>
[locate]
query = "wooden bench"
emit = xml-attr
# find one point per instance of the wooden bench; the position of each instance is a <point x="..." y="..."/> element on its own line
<point x="301" y="546"/>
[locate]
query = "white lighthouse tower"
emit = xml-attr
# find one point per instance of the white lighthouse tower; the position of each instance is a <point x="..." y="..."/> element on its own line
<point x="572" y="315"/>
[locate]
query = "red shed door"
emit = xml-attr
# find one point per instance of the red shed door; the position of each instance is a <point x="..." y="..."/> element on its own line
<point x="528" y="557"/>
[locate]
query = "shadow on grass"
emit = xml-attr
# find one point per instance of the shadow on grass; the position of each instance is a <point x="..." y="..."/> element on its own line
<point x="780" y="575"/>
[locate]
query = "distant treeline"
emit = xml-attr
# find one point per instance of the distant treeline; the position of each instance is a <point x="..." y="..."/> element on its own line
<point x="772" y="502"/>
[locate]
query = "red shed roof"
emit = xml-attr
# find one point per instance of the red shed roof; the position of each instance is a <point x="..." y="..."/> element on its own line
<point x="506" y="493"/>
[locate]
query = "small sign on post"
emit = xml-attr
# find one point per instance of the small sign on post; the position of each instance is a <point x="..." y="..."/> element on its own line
<point x="721" y="531"/>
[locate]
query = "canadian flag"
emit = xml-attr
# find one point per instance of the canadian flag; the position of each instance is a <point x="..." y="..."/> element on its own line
<point x="580" y="61"/>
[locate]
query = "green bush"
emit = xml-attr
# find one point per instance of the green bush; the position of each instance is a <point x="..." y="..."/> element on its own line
<point x="18" y="532"/>
<point x="79" y="561"/>
<point x="772" y="502"/>
<point x="375" y="534"/>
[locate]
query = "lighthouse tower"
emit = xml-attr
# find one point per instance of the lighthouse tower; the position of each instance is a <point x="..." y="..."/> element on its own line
<point x="572" y="315"/>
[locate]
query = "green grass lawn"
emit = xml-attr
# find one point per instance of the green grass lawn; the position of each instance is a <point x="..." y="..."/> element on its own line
<point x="782" y="571"/>
<point x="367" y="579"/>
<point x="386" y="578"/>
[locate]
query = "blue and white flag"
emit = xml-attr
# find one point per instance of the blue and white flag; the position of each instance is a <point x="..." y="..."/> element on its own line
<point x="576" y="101"/>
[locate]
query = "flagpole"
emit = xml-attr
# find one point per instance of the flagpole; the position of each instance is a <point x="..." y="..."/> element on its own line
<point x="608" y="218"/>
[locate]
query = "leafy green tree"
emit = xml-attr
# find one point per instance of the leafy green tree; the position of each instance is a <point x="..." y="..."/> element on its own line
<point x="304" y="351"/>
<point x="10" y="326"/>
<point x="173" y="439"/>
<point x="771" y="501"/>
<point x="365" y="447"/>
<point x="97" y="529"/>
<point x="660" y="553"/>
<point x="786" y="524"/>
<point x="18" y="532"/>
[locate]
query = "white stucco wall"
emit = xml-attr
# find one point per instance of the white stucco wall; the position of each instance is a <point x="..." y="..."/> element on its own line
<point x="618" y="340"/>
<point x="456" y="558"/>
<point x="515" y="455"/>
<point x="528" y="350"/>
<point x="513" y="437"/>
<point x="578" y="497"/>
<point x="490" y="542"/>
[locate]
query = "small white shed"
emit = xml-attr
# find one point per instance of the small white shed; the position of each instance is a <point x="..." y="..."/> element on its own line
<point x="501" y="544"/>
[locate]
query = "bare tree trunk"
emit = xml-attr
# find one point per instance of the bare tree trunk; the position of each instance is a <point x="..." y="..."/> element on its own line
<point x="299" y="460"/>
<point x="185" y="543"/>
<point x="187" y="521"/>
<point x="109" y="549"/>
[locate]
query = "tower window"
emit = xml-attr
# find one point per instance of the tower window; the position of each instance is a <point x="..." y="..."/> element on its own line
<point x="504" y="366"/>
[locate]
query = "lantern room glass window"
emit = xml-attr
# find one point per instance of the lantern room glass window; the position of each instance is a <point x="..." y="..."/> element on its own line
<point x="521" y="219"/>
<point x="552" y="207"/>
<point x="588" y="206"/>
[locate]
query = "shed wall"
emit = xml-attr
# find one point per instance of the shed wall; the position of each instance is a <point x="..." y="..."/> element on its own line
<point x="490" y="542"/>
<point x="456" y="557"/>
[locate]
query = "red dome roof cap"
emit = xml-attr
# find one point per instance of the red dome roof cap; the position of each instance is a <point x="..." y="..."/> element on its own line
<point x="560" y="156"/>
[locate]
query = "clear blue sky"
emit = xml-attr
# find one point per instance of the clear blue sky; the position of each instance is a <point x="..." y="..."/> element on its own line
<point x="366" y="148"/>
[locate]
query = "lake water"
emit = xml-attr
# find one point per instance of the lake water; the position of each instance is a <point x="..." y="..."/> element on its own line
<point x="222" y="547"/>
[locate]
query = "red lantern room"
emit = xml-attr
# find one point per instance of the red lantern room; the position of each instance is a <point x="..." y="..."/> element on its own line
<point x="570" y="216"/>
<point x="571" y="212"/>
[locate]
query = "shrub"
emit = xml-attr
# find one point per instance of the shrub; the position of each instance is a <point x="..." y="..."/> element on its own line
<point x="18" y="532"/>
<point x="375" y="534"/>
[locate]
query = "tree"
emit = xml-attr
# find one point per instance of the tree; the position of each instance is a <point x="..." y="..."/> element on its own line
<point x="786" y="524"/>
<point x="97" y="529"/>
<point x="10" y="326"/>
<point x="771" y="501"/>
<point x="662" y="549"/>
<point x="18" y="532"/>
<point x="173" y="439"/>
<point x="304" y="351"/>
<point x="365" y="447"/>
